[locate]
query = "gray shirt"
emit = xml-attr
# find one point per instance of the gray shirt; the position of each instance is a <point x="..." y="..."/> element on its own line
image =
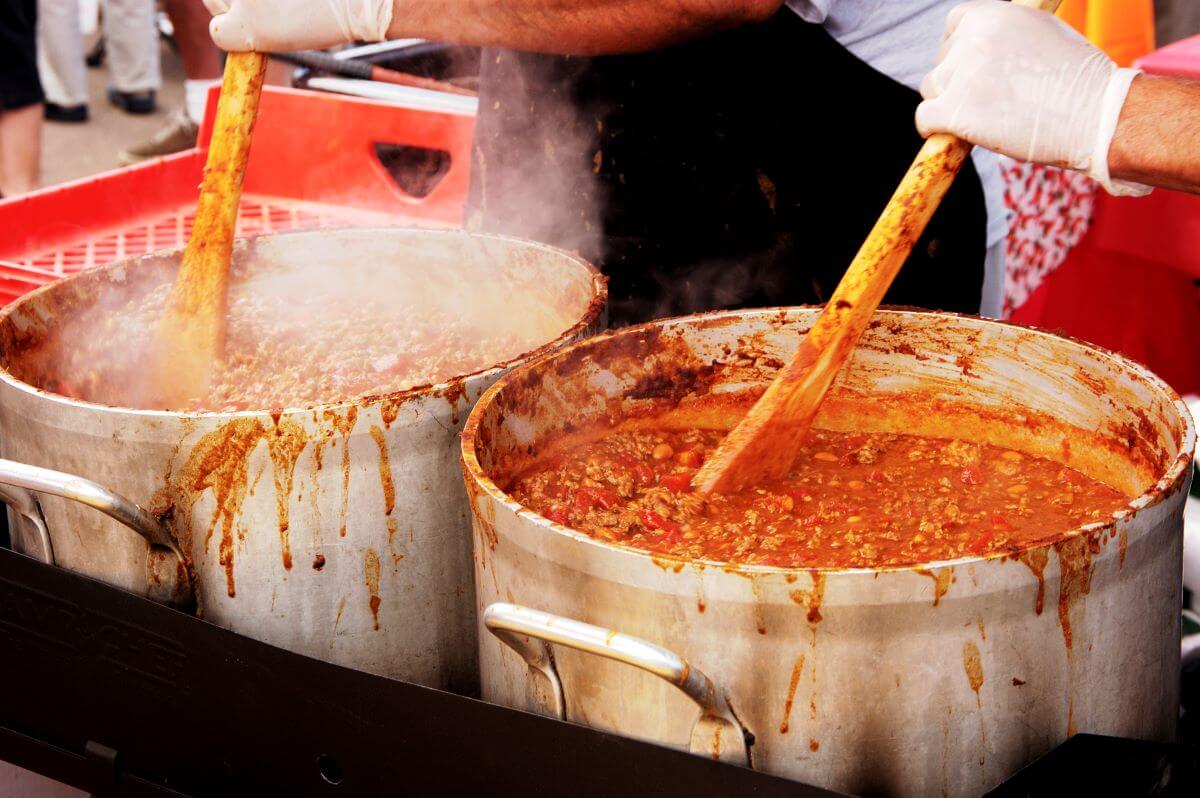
<point x="900" y="38"/>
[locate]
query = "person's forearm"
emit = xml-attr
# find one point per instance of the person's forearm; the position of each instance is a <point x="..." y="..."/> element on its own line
<point x="573" y="27"/>
<point x="1158" y="135"/>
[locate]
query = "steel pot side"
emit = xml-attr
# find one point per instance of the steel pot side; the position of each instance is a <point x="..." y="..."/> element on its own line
<point x="339" y="531"/>
<point x="943" y="678"/>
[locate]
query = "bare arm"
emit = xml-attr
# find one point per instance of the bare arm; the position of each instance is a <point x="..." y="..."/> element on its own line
<point x="1158" y="135"/>
<point x="574" y="27"/>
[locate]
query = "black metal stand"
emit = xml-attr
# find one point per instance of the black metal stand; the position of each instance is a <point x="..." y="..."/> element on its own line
<point x="118" y="695"/>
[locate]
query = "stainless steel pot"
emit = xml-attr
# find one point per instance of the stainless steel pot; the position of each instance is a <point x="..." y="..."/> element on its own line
<point x="935" y="680"/>
<point x="340" y="532"/>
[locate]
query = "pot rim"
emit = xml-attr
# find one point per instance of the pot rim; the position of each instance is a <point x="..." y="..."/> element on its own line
<point x="591" y="314"/>
<point x="1175" y="474"/>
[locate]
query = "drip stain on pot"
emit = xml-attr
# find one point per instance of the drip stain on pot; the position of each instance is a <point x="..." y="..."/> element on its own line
<point x="371" y="575"/>
<point x="285" y="446"/>
<point x="973" y="666"/>
<point x="1075" y="562"/>
<point x="343" y="425"/>
<point x="218" y="462"/>
<point x="793" y="682"/>
<point x="941" y="581"/>
<point x="1035" y="560"/>
<point x="385" y="471"/>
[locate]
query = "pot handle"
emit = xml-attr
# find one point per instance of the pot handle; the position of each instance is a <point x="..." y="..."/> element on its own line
<point x="25" y="504"/>
<point x="27" y="478"/>
<point x="717" y="733"/>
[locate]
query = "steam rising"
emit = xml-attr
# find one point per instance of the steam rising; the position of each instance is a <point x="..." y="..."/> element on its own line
<point x="317" y="318"/>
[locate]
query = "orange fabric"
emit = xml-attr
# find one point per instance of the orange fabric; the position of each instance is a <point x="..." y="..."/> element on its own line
<point x="1122" y="28"/>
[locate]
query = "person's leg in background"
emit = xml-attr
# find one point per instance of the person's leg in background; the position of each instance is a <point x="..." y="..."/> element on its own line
<point x="201" y="58"/>
<point x="20" y="98"/>
<point x="202" y="67"/>
<point x="60" y="60"/>
<point x="20" y="149"/>
<point x="132" y="48"/>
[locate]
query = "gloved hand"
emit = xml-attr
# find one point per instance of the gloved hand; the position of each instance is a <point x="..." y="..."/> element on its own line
<point x="1022" y="82"/>
<point x="282" y="25"/>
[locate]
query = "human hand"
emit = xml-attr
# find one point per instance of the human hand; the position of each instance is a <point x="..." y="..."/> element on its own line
<point x="283" y="25"/>
<point x="1022" y="82"/>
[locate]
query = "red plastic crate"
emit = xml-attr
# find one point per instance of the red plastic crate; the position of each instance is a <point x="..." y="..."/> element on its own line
<point x="312" y="164"/>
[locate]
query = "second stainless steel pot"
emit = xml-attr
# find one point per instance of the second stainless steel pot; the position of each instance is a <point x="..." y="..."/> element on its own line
<point x="938" y="679"/>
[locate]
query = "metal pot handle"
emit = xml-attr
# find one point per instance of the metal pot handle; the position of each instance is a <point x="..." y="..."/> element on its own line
<point x="21" y="478"/>
<point x="25" y="504"/>
<point x="717" y="733"/>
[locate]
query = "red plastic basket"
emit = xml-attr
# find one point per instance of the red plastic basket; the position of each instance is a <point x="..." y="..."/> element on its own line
<point x="313" y="163"/>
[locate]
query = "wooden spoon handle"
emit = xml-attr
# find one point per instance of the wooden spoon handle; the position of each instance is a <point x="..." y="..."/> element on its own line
<point x="192" y="329"/>
<point x="764" y="445"/>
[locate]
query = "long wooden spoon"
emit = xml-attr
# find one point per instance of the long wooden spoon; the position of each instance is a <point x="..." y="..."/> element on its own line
<point x="765" y="443"/>
<point x="191" y="332"/>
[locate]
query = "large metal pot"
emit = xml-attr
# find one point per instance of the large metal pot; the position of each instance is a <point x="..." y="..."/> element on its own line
<point x="941" y="679"/>
<point x="340" y="532"/>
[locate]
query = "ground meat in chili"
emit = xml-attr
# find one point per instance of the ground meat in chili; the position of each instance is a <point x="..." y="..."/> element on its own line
<point x="852" y="500"/>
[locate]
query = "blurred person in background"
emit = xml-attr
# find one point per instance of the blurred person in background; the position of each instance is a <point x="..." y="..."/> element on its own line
<point x="131" y="45"/>
<point x="20" y="99"/>
<point x="1022" y="82"/>
<point x="202" y="68"/>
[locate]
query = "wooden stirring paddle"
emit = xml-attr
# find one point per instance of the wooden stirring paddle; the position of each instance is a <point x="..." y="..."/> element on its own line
<point x="765" y="443"/>
<point x="191" y="332"/>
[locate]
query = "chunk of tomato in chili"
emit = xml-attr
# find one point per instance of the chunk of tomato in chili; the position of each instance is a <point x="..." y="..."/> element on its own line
<point x="642" y="474"/>
<point x="671" y="531"/>
<point x="558" y="514"/>
<point x="588" y="497"/>
<point x="677" y="483"/>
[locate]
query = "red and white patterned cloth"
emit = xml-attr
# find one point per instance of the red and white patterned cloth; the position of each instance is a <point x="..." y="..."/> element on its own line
<point x="1049" y="212"/>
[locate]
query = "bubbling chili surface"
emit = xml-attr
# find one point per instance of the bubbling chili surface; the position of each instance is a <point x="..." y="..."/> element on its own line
<point x="851" y="501"/>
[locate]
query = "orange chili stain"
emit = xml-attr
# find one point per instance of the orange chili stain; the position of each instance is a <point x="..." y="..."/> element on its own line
<point x="1075" y="575"/>
<point x="343" y="425"/>
<point x="973" y="666"/>
<point x="385" y="471"/>
<point x="760" y="610"/>
<point x="982" y="633"/>
<point x="811" y="598"/>
<point x="1035" y="560"/>
<point x="388" y="410"/>
<point x="218" y="462"/>
<point x="338" y="619"/>
<point x="716" y="742"/>
<point x="371" y="575"/>
<point x="941" y="581"/>
<point x="1122" y="547"/>
<point x="797" y="669"/>
<point x="285" y="446"/>
<point x="814" y="745"/>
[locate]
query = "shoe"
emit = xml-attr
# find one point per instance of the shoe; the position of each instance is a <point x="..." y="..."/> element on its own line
<point x="133" y="102"/>
<point x="178" y="135"/>
<point x="66" y="113"/>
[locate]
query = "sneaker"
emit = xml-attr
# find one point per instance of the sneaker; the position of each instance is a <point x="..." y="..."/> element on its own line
<point x="66" y="113"/>
<point x="133" y="102"/>
<point x="178" y="135"/>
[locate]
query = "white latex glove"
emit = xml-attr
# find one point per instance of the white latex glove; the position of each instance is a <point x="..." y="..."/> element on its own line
<point x="273" y="26"/>
<point x="1024" y="83"/>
